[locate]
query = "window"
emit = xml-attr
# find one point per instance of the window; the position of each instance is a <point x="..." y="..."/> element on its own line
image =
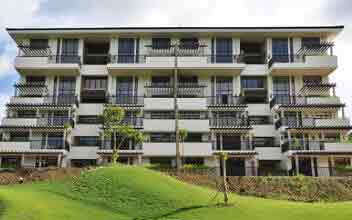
<point x="161" y="81"/>
<point x="38" y="43"/>
<point x="95" y="83"/>
<point x="67" y="86"/>
<point x="191" y="115"/>
<point x="253" y="82"/>
<point x="69" y="47"/>
<point x="124" y="86"/>
<point x="280" y="50"/>
<point x="230" y="142"/>
<point x="126" y="49"/>
<point x="188" y="80"/>
<point x="89" y="119"/>
<point x="26" y="114"/>
<point x="189" y="43"/>
<point x="88" y="141"/>
<point x="19" y="136"/>
<point x="223" y="50"/>
<point x="161" y="43"/>
<point x="193" y="137"/>
<point x="162" y="115"/>
<point x="162" y="137"/>
<point x="55" y="141"/>
<point x="281" y="90"/>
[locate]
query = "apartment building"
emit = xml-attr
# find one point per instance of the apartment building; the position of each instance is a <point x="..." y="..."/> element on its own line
<point x="260" y="94"/>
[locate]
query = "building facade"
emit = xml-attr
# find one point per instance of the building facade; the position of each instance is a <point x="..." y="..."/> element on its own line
<point x="262" y="95"/>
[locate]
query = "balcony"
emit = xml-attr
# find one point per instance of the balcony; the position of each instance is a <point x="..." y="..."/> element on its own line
<point x="126" y="100"/>
<point x="34" y="60"/>
<point x="184" y="90"/>
<point x="235" y="146"/>
<point x="317" y="89"/>
<point x="187" y="149"/>
<point x="334" y="123"/>
<point x="57" y="121"/>
<point x="226" y="101"/>
<point x="135" y="122"/>
<point x="61" y="100"/>
<point x="229" y="123"/>
<point x="302" y="145"/>
<point x="302" y="64"/>
<point x="165" y="59"/>
<point x="305" y="101"/>
<point x="159" y="125"/>
<point x="52" y="145"/>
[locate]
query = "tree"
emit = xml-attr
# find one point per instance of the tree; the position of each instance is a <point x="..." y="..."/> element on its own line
<point x="223" y="158"/>
<point x="182" y="133"/>
<point x="67" y="135"/>
<point x="114" y="124"/>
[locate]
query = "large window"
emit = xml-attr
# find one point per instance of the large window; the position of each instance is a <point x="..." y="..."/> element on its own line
<point x="124" y="86"/>
<point x="162" y="137"/>
<point x="69" y="51"/>
<point x="88" y="141"/>
<point x="253" y="82"/>
<point x="281" y="89"/>
<point x="309" y="42"/>
<point x="280" y="50"/>
<point x="67" y="86"/>
<point x="91" y="83"/>
<point x="223" y="50"/>
<point x="126" y="50"/>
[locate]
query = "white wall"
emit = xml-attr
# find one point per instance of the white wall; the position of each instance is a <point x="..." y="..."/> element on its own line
<point x="259" y="109"/>
<point x="86" y="130"/>
<point x="90" y="109"/>
<point x="269" y="153"/>
<point x="80" y="152"/>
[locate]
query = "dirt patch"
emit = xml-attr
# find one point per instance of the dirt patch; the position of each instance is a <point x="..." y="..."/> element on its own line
<point x="31" y="175"/>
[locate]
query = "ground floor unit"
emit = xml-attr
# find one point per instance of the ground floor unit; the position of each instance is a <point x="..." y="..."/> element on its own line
<point x="236" y="165"/>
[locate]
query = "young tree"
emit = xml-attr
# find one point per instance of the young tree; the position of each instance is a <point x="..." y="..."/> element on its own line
<point x="223" y="158"/>
<point x="114" y="124"/>
<point x="182" y="133"/>
<point x="67" y="135"/>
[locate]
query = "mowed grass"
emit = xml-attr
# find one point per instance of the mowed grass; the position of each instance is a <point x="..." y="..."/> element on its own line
<point x="137" y="193"/>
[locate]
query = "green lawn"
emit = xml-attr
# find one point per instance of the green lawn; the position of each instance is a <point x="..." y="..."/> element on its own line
<point x="138" y="193"/>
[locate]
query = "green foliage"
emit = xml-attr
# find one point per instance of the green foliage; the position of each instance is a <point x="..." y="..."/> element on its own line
<point x="195" y="166"/>
<point x="344" y="168"/>
<point x="113" y="124"/>
<point x="183" y="133"/>
<point x="126" y="193"/>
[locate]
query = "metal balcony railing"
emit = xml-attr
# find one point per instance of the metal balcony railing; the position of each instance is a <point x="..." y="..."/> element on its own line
<point x="109" y="145"/>
<point x="225" y="100"/>
<point x="303" y="100"/>
<point x="314" y="122"/>
<point x="54" y="121"/>
<point x="136" y="122"/>
<point x="126" y="100"/>
<point x="28" y="51"/>
<point x="50" y="143"/>
<point x="236" y="146"/>
<point x="96" y="59"/>
<point x="229" y="122"/>
<point x="64" y="58"/>
<point x="300" y="145"/>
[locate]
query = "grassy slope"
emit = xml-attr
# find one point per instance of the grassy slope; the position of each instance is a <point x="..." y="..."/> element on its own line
<point x="128" y="193"/>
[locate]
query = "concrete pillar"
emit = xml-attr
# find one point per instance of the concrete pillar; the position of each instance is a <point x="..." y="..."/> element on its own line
<point x="139" y="158"/>
<point x="312" y="166"/>
<point x="59" y="159"/>
<point x="22" y="160"/>
<point x="297" y="164"/>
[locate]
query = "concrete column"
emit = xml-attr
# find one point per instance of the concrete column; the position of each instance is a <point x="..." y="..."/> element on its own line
<point x="22" y="160"/>
<point x="59" y="159"/>
<point x="297" y="164"/>
<point x="312" y="166"/>
<point x="139" y="159"/>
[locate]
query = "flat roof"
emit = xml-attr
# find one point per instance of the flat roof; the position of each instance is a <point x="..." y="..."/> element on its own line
<point x="176" y="28"/>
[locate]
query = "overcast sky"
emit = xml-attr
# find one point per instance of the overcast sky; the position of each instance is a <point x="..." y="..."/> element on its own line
<point x="74" y="13"/>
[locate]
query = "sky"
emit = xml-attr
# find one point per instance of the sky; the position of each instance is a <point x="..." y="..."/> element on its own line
<point x="93" y="13"/>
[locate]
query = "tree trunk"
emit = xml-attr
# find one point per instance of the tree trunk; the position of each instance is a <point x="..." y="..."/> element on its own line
<point x="224" y="180"/>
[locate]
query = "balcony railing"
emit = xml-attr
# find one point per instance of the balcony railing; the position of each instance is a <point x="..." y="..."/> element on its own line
<point x="229" y="122"/>
<point x="53" y="121"/>
<point x="28" y="51"/>
<point x="236" y="146"/>
<point x="96" y="59"/>
<point x="44" y="100"/>
<point x="50" y="143"/>
<point x="185" y="89"/>
<point x="314" y="123"/>
<point x="300" y="145"/>
<point x="64" y="59"/>
<point x="225" y="100"/>
<point x="109" y="145"/>
<point x="303" y="100"/>
<point x="125" y="100"/>
<point x="136" y="122"/>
